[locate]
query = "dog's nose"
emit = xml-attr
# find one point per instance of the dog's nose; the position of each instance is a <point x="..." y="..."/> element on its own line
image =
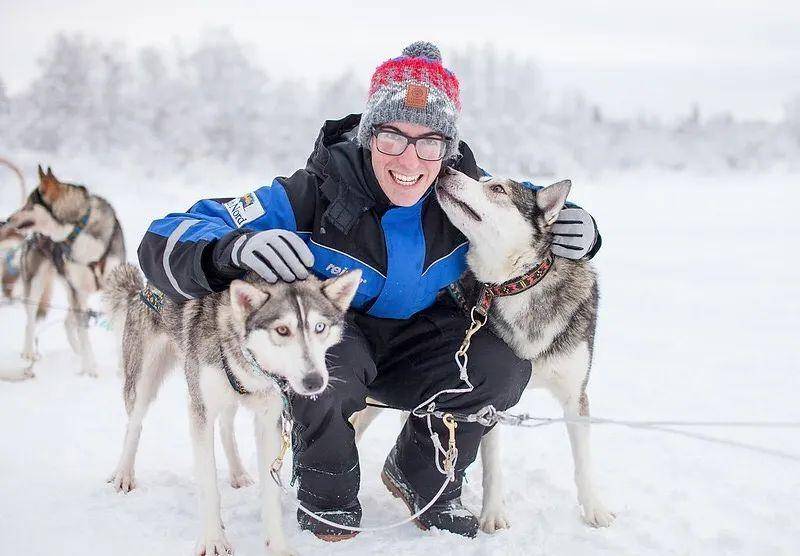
<point x="313" y="382"/>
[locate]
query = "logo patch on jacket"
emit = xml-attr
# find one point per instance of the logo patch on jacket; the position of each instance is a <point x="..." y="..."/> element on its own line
<point x="245" y="209"/>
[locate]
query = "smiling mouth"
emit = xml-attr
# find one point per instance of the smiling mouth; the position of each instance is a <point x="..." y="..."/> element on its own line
<point x="403" y="179"/>
<point x="459" y="203"/>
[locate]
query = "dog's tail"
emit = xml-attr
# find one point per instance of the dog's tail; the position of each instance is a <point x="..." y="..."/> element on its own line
<point x="120" y="286"/>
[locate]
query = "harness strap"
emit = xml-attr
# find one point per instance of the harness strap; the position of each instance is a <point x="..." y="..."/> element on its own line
<point x="152" y="297"/>
<point x="235" y="384"/>
<point x="76" y="231"/>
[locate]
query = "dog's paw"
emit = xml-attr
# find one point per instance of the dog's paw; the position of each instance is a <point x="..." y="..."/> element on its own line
<point x="31" y="355"/>
<point x="241" y="479"/>
<point x="494" y="519"/>
<point x="596" y="515"/>
<point x="122" y="480"/>
<point x="213" y="543"/>
<point x="91" y="372"/>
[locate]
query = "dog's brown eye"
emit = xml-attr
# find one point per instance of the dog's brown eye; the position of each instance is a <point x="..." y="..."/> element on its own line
<point x="497" y="188"/>
<point x="282" y="330"/>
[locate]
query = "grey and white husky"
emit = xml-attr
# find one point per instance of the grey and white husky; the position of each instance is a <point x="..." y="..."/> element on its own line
<point x="233" y="345"/>
<point x="73" y="237"/>
<point x="552" y="324"/>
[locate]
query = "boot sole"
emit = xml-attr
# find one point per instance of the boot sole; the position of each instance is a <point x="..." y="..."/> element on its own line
<point x="397" y="493"/>
<point x="336" y="538"/>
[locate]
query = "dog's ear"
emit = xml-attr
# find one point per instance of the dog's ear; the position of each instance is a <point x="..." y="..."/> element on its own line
<point x="341" y="289"/>
<point x="551" y="199"/>
<point x="245" y="298"/>
<point x="49" y="186"/>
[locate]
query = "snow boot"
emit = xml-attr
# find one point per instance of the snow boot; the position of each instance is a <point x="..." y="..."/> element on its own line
<point x="450" y="515"/>
<point x="346" y="516"/>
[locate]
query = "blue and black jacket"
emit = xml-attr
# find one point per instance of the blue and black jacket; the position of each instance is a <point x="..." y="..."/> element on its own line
<point x="406" y="254"/>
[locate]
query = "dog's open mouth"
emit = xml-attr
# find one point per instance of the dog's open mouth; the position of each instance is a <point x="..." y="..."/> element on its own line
<point x="458" y="202"/>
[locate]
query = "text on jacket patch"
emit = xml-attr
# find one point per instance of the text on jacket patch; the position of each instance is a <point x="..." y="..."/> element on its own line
<point x="244" y="209"/>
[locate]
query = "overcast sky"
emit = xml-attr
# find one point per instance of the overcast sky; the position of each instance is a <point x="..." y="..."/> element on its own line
<point x="629" y="56"/>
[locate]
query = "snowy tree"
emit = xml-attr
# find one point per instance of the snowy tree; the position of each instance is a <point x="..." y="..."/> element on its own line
<point x="4" y="102"/>
<point x="792" y="109"/>
<point x="60" y="101"/>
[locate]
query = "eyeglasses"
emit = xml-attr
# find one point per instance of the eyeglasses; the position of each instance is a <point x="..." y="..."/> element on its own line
<point x="394" y="143"/>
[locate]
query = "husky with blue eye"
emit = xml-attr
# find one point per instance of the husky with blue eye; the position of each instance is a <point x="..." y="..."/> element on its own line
<point x="239" y="346"/>
<point x="552" y="323"/>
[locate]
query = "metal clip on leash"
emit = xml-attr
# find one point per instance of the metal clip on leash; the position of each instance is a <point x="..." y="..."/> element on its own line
<point x="461" y="355"/>
<point x="286" y="442"/>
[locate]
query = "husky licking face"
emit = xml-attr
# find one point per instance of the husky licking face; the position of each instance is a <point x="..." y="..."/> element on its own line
<point x="507" y="224"/>
<point x="52" y="209"/>
<point x="289" y="327"/>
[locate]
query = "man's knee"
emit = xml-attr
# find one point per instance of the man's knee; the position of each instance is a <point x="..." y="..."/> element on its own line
<point x="350" y="369"/>
<point x="495" y="371"/>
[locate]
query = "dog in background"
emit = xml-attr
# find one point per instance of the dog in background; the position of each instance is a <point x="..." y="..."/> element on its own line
<point x="73" y="237"/>
<point x="235" y="347"/>
<point x="11" y="243"/>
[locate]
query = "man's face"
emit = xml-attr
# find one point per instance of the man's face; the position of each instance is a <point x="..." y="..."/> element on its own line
<point x="404" y="178"/>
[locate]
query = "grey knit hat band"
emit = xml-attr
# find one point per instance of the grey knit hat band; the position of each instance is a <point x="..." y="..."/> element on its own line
<point x="388" y="104"/>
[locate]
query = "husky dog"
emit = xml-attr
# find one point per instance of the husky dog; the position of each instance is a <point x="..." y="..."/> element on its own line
<point x="552" y="324"/>
<point x="233" y="346"/>
<point x="10" y="244"/>
<point x="77" y="239"/>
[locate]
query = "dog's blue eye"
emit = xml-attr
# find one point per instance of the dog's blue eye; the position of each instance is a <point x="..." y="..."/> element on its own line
<point x="498" y="189"/>
<point x="319" y="327"/>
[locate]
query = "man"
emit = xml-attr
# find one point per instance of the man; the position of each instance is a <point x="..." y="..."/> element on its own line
<point x="365" y="201"/>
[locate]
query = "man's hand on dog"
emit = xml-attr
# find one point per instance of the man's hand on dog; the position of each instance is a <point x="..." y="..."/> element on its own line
<point x="574" y="233"/>
<point x="273" y="254"/>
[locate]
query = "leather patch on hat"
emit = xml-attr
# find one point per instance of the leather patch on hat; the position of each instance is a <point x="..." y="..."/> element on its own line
<point x="416" y="96"/>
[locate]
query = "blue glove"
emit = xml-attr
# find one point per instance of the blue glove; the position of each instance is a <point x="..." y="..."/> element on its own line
<point x="574" y="233"/>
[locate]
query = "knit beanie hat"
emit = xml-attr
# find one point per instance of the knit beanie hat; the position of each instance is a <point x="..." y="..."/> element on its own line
<point x="417" y="89"/>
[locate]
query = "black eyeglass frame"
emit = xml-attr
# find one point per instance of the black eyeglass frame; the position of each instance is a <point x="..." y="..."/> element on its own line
<point x="411" y="141"/>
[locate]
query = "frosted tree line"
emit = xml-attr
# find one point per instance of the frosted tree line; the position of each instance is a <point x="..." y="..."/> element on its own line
<point x="171" y="107"/>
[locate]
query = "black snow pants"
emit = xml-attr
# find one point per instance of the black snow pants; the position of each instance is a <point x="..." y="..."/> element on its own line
<point x="400" y="363"/>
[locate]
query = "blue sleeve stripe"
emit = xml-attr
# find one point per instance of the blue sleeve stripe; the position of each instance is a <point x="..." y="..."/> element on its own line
<point x="352" y="258"/>
<point x="207" y="207"/>
<point x="215" y="220"/>
<point x="278" y="212"/>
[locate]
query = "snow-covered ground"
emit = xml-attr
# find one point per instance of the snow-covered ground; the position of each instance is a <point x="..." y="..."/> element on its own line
<point x="699" y="318"/>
